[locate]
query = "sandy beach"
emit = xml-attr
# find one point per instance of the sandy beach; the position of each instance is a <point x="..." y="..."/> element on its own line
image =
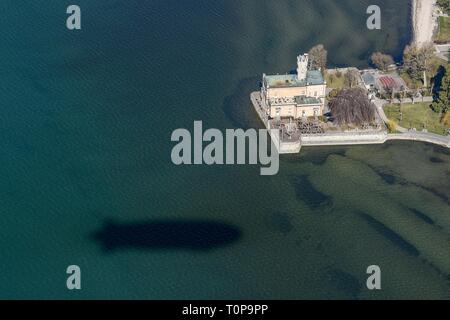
<point x="423" y="20"/>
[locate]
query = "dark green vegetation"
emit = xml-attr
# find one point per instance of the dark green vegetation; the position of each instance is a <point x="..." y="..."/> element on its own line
<point x="441" y="103"/>
<point x="444" y="5"/>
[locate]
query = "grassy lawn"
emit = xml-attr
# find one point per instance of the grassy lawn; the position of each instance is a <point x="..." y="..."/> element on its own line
<point x="333" y="81"/>
<point x="418" y="115"/>
<point x="444" y="29"/>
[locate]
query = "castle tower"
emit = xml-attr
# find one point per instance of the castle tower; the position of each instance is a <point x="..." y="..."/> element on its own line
<point x="302" y="66"/>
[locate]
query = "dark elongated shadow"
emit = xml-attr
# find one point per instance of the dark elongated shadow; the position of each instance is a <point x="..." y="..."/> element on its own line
<point x="199" y="235"/>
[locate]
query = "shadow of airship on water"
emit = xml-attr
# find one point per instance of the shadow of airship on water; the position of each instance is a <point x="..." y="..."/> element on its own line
<point x="166" y="235"/>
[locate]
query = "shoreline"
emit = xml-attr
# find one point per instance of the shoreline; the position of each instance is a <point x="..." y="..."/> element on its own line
<point x="343" y="138"/>
<point x="423" y="21"/>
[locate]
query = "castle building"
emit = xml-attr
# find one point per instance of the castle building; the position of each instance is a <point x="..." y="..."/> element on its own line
<point x="295" y="95"/>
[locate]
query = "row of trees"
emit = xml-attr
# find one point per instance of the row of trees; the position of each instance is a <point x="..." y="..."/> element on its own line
<point x="416" y="62"/>
<point x="416" y="59"/>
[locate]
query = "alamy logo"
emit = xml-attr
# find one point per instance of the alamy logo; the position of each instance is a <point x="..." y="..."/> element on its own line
<point x="237" y="147"/>
<point x="374" y="21"/>
<point x="374" y="280"/>
<point x="74" y="280"/>
<point x="74" y="20"/>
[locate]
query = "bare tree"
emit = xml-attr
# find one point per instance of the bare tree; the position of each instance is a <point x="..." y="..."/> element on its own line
<point x="318" y="58"/>
<point x="352" y="106"/>
<point x="381" y="61"/>
<point x="331" y="78"/>
<point x="417" y="60"/>
<point x="389" y="93"/>
<point x="351" y="78"/>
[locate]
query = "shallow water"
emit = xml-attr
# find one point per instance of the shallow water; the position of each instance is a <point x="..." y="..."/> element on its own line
<point x="85" y="122"/>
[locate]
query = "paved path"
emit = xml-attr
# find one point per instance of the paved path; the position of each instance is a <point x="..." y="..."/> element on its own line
<point x="379" y="103"/>
<point x="421" y="136"/>
<point x="406" y="134"/>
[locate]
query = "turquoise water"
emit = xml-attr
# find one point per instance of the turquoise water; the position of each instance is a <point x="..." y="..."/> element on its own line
<point x="86" y="119"/>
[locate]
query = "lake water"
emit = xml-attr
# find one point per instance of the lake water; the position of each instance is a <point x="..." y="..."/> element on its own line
<point x="86" y="175"/>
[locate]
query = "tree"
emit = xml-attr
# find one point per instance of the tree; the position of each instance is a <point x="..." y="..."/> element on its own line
<point x="398" y="95"/>
<point x="381" y="61"/>
<point x="445" y="5"/>
<point x="389" y="93"/>
<point x="401" y="94"/>
<point x="446" y="119"/>
<point x="416" y="61"/>
<point x="442" y="103"/>
<point x="318" y="58"/>
<point x="392" y="126"/>
<point x="331" y="78"/>
<point x="333" y="93"/>
<point x="352" y="106"/>
<point x="351" y="78"/>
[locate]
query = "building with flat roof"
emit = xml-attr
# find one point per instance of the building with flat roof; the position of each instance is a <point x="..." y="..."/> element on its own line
<point x="369" y="81"/>
<point x="295" y="95"/>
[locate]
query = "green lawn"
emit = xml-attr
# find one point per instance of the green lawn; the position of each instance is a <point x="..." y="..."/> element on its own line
<point x="418" y="115"/>
<point x="444" y="29"/>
